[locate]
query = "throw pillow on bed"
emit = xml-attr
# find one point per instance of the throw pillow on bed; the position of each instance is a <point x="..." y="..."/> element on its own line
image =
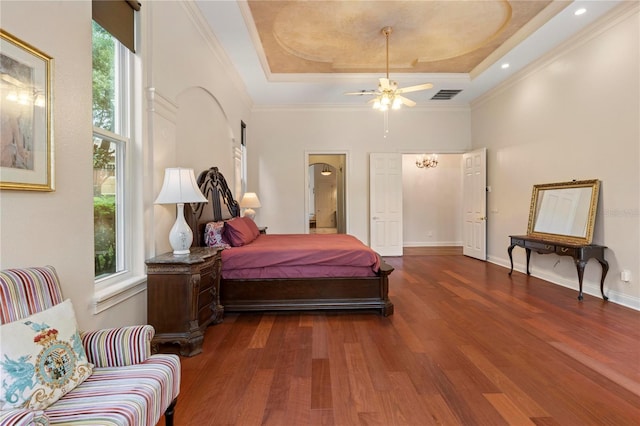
<point x="239" y="232"/>
<point x="252" y="226"/>
<point x="214" y="235"/>
<point x="41" y="358"/>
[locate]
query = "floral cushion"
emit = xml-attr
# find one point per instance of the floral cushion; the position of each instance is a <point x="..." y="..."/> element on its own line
<point x="41" y="358"/>
<point x="213" y="235"/>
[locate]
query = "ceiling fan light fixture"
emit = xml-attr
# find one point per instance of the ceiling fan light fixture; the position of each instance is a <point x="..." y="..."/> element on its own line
<point x="388" y="96"/>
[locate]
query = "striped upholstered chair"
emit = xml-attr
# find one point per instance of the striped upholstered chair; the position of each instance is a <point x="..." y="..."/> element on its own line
<point x="127" y="386"/>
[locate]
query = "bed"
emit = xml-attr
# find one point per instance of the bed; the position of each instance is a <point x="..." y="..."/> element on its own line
<point x="330" y="286"/>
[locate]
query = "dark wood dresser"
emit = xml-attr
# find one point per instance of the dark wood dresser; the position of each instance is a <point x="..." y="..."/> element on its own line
<point x="183" y="298"/>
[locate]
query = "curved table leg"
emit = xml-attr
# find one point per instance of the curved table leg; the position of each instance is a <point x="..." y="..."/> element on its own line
<point x="605" y="269"/>
<point x="528" y="258"/>
<point x="509" y="250"/>
<point x="580" y="264"/>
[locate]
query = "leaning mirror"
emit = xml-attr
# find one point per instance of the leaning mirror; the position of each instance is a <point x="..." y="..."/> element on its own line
<point x="564" y="211"/>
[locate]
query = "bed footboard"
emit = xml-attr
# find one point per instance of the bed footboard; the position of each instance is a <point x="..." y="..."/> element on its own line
<point x="310" y="294"/>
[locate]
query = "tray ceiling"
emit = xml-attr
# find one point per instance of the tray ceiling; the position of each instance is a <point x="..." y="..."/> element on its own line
<point x="309" y="53"/>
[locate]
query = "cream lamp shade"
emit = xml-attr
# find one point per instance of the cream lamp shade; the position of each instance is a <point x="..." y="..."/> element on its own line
<point x="180" y="187"/>
<point x="249" y="202"/>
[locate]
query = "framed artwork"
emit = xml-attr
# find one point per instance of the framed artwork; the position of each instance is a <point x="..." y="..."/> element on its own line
<point x="26" y="146"/>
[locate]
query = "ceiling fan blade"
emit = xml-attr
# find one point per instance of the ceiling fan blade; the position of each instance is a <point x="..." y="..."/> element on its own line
<point x="424" y="86"/>
<point x="406" y="101"/>
<point x="362" y="92"/>
<point x="384" y="84"/>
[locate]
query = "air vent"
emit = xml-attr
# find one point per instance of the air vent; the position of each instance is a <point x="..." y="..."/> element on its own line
<point x="446" y="94"/>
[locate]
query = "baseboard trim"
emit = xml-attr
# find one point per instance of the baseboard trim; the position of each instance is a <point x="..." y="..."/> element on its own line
<point x="433" y="244"/>
<point x="589" y="288"/>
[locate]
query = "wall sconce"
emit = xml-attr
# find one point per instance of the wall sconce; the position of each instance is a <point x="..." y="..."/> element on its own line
<point x="424" y="162"/>
<point x="249" y="202"/>
<point x="180" y="187"/>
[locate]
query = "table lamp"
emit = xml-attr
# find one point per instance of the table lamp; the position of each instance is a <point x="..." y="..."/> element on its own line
<point x="180" y="187"/>
<point x="249" y="202"/>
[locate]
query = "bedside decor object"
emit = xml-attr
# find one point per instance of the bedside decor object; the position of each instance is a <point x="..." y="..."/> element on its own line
<point x="26" y="162"/>
<point x="249" y="202"/>
<point x="180" y="187"/>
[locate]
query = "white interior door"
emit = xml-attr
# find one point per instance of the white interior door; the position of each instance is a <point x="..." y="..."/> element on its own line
<point x="474" y="195"/>
<point x="385" y="199"/>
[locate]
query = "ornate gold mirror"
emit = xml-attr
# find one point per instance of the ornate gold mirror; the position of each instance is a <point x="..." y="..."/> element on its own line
<point x="564" y="211"/>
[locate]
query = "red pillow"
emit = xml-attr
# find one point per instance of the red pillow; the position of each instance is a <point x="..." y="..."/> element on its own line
<point x="239" y="232"/>
<point x="252" y="226"/>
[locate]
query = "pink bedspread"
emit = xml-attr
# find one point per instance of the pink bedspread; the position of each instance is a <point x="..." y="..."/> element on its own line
<point x="300" y="256"/>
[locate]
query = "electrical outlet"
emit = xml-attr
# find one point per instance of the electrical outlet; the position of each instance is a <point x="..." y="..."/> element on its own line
<point x="625" y="275"/>
<point x="430" y="234"/>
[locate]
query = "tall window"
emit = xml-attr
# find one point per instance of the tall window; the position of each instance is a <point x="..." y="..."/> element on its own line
<point x="111" y="147"/>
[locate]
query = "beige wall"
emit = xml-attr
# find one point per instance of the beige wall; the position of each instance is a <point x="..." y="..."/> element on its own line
<point x="279" y="138"/>
<point x="573" y="115"/>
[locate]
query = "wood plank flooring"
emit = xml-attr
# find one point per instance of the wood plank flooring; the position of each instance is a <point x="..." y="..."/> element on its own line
<point x="467" y="345"/>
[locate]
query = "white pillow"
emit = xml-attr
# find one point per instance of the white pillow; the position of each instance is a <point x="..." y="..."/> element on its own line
<point x="41" y="358"/>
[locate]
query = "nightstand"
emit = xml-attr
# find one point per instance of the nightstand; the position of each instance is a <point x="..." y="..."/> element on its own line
<point x="183" y="298"/>
<point x="262" y="229"/>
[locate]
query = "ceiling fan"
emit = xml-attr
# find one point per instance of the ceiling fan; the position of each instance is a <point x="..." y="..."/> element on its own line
<point x="389" y="95"/>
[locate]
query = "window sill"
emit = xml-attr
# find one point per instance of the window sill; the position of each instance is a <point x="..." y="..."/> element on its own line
<point x="112" y="295"/>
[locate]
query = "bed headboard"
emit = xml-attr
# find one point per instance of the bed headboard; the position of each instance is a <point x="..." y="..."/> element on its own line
<point x="221" y="204"/>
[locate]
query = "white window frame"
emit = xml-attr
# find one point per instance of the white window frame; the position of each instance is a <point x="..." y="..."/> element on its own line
<point x="129" y="278"/>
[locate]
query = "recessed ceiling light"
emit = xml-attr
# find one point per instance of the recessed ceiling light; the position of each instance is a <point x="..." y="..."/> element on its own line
<point x="580" y="11"/>
<point x="504" y="66"/>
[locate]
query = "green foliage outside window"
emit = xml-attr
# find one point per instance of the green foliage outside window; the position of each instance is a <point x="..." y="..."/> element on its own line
<point x="103" y="78"/>
<point x="104" y="160"/>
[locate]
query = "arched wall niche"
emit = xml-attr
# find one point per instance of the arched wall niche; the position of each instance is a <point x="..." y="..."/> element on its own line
<point x="204" y="136"/>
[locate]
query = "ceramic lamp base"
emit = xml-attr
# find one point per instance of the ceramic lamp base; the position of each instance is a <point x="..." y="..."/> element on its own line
<point x="180" y="236"/>
<point x="250" y="213"/>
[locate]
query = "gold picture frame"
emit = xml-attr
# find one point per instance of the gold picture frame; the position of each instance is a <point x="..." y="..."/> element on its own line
<point x="564" y="211"/>
<point x="26" y="137"/>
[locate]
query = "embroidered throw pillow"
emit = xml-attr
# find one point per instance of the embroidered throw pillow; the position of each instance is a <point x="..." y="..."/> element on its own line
<point x="41" y="358"/>
<point x="213" y="235"/>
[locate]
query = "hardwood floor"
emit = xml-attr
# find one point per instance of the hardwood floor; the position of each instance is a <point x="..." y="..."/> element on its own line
<point x="467" y="345"/>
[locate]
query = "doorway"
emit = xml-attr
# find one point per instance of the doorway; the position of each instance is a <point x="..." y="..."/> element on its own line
<point x="326" y="195"/>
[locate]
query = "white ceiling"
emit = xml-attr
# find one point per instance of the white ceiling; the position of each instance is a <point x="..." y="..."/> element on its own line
<point x="228" y="21"/>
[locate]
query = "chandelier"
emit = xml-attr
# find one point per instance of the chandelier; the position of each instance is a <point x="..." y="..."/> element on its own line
<point x="424" y="162"/>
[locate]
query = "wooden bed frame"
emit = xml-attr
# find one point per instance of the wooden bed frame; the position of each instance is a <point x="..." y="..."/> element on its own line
<point x="243" y="295"/>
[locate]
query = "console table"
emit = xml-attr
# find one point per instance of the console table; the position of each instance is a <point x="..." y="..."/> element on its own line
<point x="183" y="297"/>
<point x="580" y="253"/>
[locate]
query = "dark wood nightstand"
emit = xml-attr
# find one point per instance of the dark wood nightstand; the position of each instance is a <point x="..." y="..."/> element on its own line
<point x="183" y="298"/>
